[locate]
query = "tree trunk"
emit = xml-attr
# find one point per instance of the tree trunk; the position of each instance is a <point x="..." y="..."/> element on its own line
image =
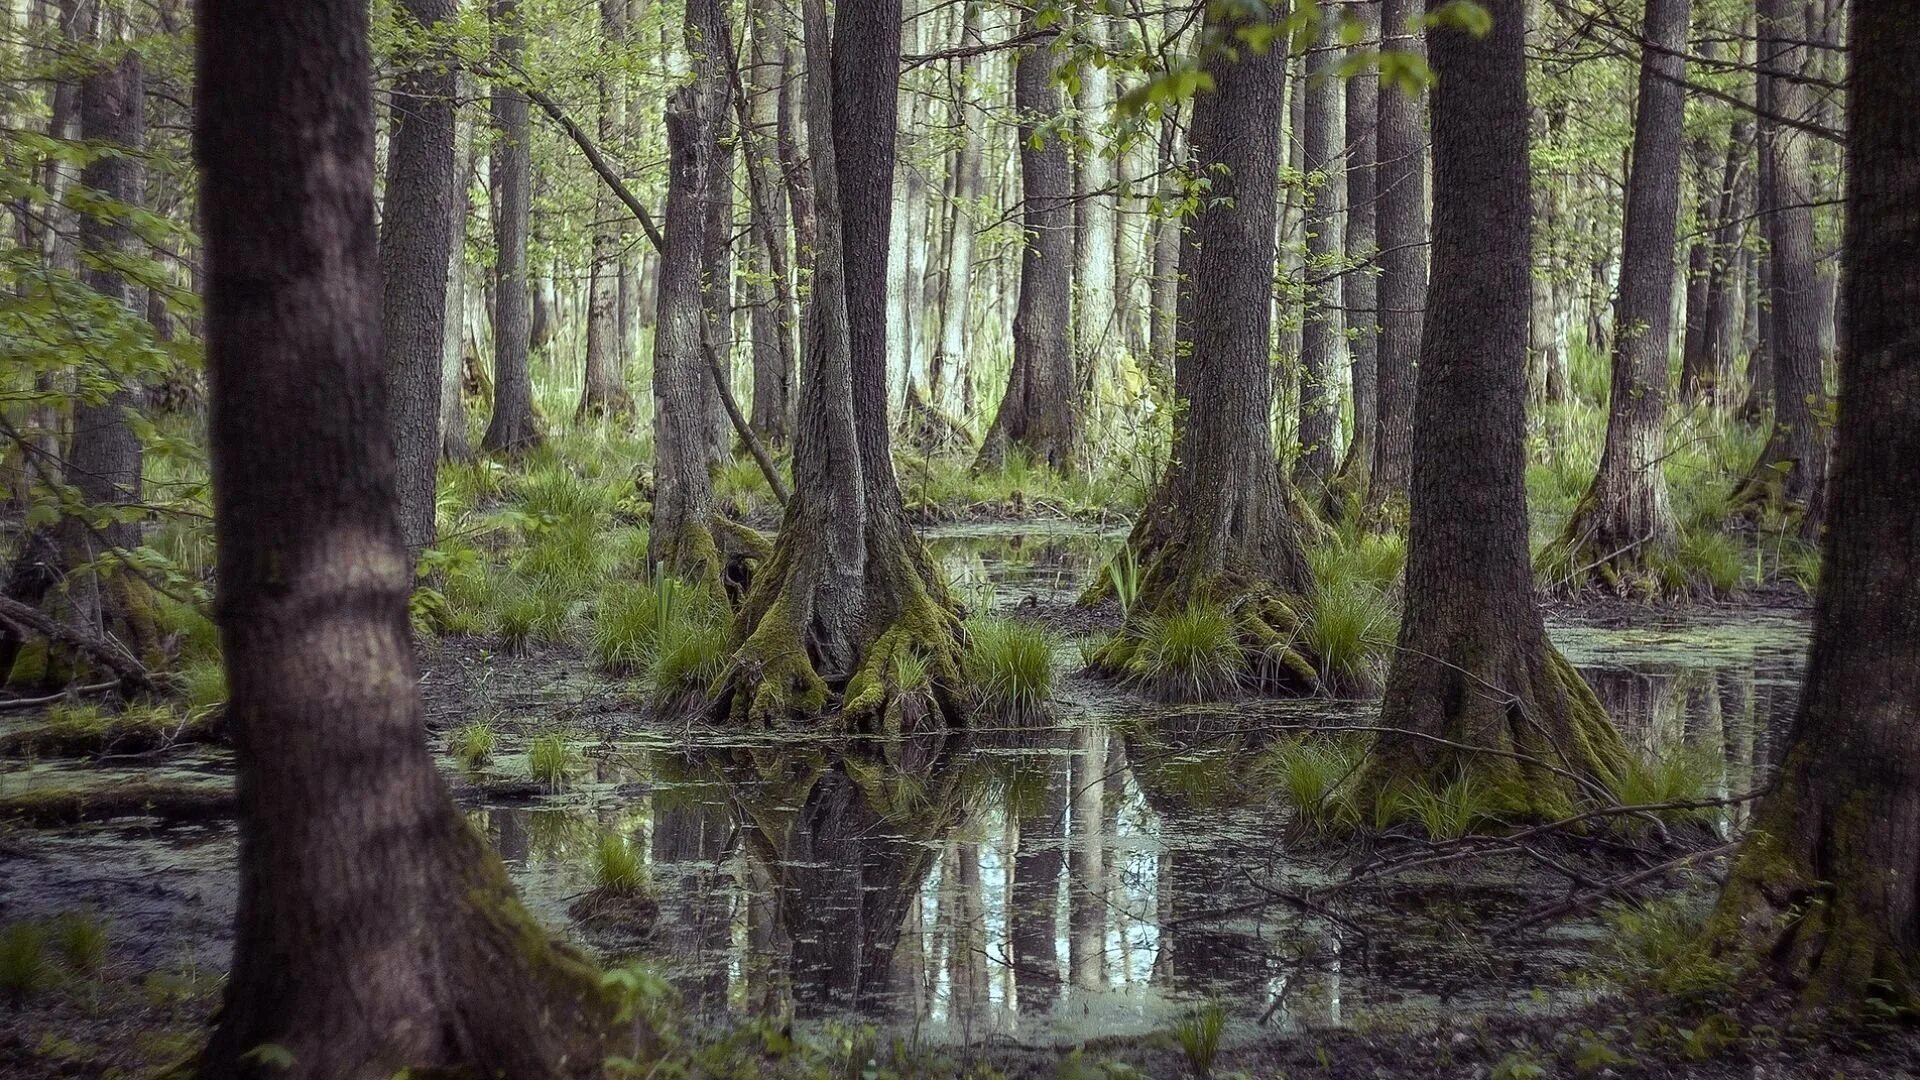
<point x="1359" y="288"/>
<point x="1401" y="225"/>
<point x="1783" y="484"/>
<point x="415" y="239"/>
<point x="1163" y="297"/>
<point x="1623" y="528"/>
<point x="1824" y="899"/>
<point x="1096" y="331"/>
<point x="848" y="586"/>
<point x="948" y="359"/>
<point x="605" y="391"/>
<point x="1724" y="298"/>
<point x="708" y="23"/>
<point x="1037" y="413"/>
<point x="453" y="411"/>
<point x="376" y="932"/>
<point x="1474" y="665"/>
<point x="775" y="320"/>
<point x="1322" y="330"/>
<point x="684" y="510"/>
<point x="1697" y="376"/>
<point x="511" y="431"/>
<point x="1217" y="529"/>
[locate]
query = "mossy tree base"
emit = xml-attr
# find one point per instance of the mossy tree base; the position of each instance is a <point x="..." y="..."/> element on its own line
<point x="1623" y="551"/>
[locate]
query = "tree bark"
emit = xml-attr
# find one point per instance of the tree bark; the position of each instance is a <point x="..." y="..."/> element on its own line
<point x="511" y="431"/>
<point x="1217" y="530"/>
<point x="1474" y="665"/>
<point x="1322" y="329"/>
<point x="1824" y="899"/>
<point x="376" y="932"/>
<point x="1698" y="379"/>
<point x="1037" y="412"/>
<point x="946" y="377"/>
<point x="1724" y="296"/>
<point x="1401" y="227"/>
<point x="605" y="391"/>
<point x="1623" y="528"/>
<point x="775" y="318"/>
<point x="1784" y="483"/>
<point x="454" y="445"/>
<point x="1359" y="288"/>
<point x="1096" y="329"/>
<point x="415" y="242"/>
<point x="713" y="67"/>
<point x="684" y="509"/>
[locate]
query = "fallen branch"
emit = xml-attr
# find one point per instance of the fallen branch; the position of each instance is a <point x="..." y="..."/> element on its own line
<point x="1575" y="903"/>
<point x="110" y="655"/>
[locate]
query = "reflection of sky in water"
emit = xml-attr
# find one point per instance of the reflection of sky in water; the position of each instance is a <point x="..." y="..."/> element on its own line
<point x="1074" y="881"/>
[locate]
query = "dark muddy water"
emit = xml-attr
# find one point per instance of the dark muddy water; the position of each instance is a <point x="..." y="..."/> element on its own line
<point x="1101" y="874"/>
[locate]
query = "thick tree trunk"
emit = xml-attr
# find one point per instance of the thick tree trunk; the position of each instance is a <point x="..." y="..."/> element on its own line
<point x="1217" y="529"/>
<point x="605" y="391"/>
<point x="1474" y="665"/>
<point x="415" y="240"/>
<point x="682" y="539"/>
<point x="1359" y="288"/>
<point x="511" y="430"/>
<point x="1623" y="528"/>
<point x="1037" y="413"/>
<point x="848" y="586"/>
<point x="1785" y="481"/>
<point x="1322" y="329"/>
<point x="1401" y="227"/>
<point x="376" y="933"/>
<point x="1825" y="897"/>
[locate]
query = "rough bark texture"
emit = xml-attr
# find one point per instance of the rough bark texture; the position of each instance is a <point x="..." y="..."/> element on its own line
<point x="454" y="444"/>
<point x="1359" y="288"/>
<point x="604" y="392"/>
<point x="950" y="356"/>
<point x="1474" y="665"/>
<point x="1322" y="330"/>
<point x="682" y="539"/>
<point x="1825" y="896"/>
<point x="1037" y="413"/>
<point x="511" y="430"/>
<point x="1697" y="377"/>
<point x="1217" y="529"/>
<point x="1401" y="227"/>
<point x="376" y="932"/>
<point x="1096" y="326"/>
<point x="708" y="40"/>
<point x="775" y="316"/>
<point x="1623" y="528"/>
<point x="415" y="240"/>
<point x="1725" y="301"/>
<point x="1784" y="483"/>
<point x="848" y="586"/>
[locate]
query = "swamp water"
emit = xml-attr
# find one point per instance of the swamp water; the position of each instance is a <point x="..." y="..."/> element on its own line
<point x="1103" y="873"/>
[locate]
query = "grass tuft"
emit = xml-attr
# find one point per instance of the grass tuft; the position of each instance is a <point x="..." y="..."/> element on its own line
<point x="25" y="970"/>
<point x="473" y="744"/>
<point x="550" y="759"/>
<point x="1198" y="1034"/>
<point x="1192" y="654"/>
<point x="1315" y="774"/>
<point x="617" y="869"/>
<point x="1010" y="666"/>
<point x="80" y="942"/>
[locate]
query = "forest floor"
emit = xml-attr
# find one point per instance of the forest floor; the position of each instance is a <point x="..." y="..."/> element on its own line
<point x="1441" y="997"/>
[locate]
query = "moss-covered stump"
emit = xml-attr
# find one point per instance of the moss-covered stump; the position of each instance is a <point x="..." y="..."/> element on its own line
<point x="1618" y="552"/>
<point x="1526" y="730"/>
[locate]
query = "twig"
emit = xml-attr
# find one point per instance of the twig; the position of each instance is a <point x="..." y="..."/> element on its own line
<point x="77" y="691"/>
<point x="1575" y="903"/>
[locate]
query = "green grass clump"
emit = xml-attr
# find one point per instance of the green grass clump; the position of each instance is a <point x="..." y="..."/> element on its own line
<point x="1124" y="577"/>
<point x="557" y="493"/>
<point x="1350" y="633"/>
<point x="1451" y="811"/>
<point x="205" y="684"/>
<point x="25" y="969"/>
<point x="1192" y="654"/>
<point x="1010" y="666"/>
<point x="1198" y="1034"/>
<point x="473" y="744"/>
<point x="1682" y="775"/>
<point x="672" y="632"/>
<point x="617" y="869"/>
<point x="1657" y="943"/>
<point x="567" y="561"/>
<point x="80" y="942"/>
<point x="1704" y="560"/>
<point x="1315" y="773"/>
<point x="550" y="759"/>
<point x="692" y="653"/>
<point x="530" y="611"/>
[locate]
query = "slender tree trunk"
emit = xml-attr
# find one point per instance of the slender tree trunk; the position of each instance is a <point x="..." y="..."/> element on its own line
<point x="709" y="25"/>
<point x="1697" y="376"/>
<point x="605" y="391"/>
<point x="453" y="410"/>
<point x="1217" y="530"/>
<point x="1786" y="479"/>
<point x="1359" y="288"/>
<point x="376" y="933"/>
<point x="1724" y="298"/>
<point x="1322" y="330"/>
<point x="1824" y="899"/>
<point x="951" y="356"/>
<point x="511" y="431"/>
<point x="684" y="510"/>
<point x="1624" y="526"/>
<point x="1474" y="665"/>
<point x="1163" y="295"/>
<point x="414" y="251"/>
<point x="1401" y="225"/>
<point x="1096" y="330"/>
<point x="1037" y="412"/>
<point x="775" y="318"/>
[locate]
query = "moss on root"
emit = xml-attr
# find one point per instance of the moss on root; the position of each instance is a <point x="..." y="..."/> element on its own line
<point x="1267" y="652"/>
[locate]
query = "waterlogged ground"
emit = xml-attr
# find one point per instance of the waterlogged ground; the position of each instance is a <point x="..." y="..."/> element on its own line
<point x="1100" y="874"/>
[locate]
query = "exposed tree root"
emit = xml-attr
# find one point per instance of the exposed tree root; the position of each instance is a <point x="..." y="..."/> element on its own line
<point x="931" y="430"/>
<point x="1588" y="554"/>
